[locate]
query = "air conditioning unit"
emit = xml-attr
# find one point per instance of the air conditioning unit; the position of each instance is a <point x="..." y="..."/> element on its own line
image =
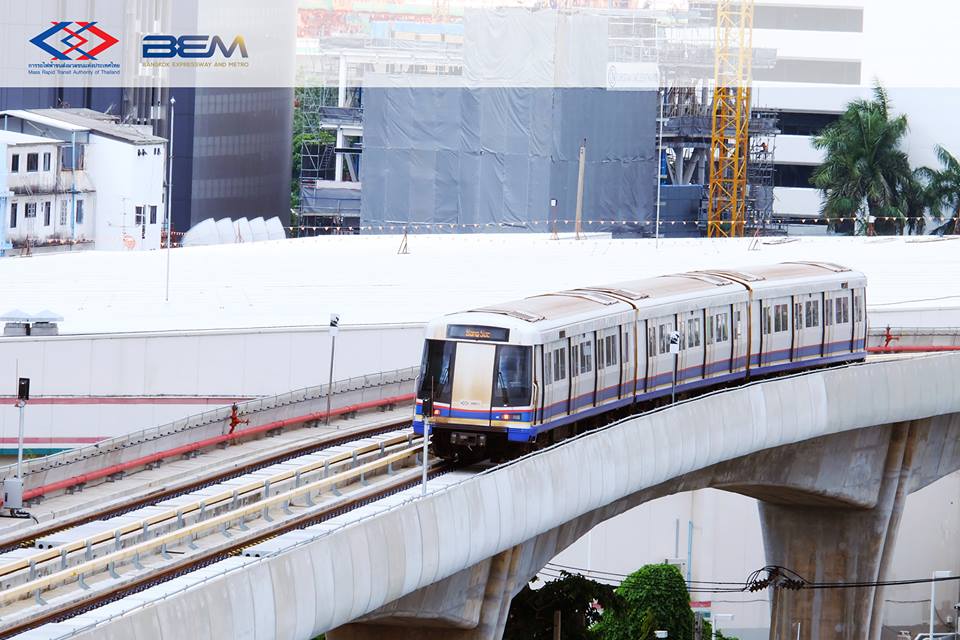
<point x="679" y="563"/>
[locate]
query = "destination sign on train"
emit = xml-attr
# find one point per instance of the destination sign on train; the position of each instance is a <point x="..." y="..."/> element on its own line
<point x="472" y="332"/>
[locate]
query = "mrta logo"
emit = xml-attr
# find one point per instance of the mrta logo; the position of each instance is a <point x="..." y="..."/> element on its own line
<point x="167" y="46"/>
<point x="74" y="41"/>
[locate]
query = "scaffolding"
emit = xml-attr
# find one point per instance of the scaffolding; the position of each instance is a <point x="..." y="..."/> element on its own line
<point x="328" y="160"/>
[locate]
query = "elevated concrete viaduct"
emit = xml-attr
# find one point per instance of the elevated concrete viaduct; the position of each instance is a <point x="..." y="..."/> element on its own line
<point x="830" y="454"/>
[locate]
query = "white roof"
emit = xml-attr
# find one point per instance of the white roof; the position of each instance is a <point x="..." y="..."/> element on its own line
<point x="23" y="114"/>
<point x="14" y="138"/>
<point x="299" y="282"/>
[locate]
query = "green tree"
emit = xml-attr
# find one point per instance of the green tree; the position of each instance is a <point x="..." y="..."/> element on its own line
<point x="865" y="171"/>
<point x="944" y="189"/>
<point x="651" y="598"/>
<point x="531" y="611"/>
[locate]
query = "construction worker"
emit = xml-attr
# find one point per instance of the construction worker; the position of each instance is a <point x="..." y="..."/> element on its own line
<point x="235" y="418"/>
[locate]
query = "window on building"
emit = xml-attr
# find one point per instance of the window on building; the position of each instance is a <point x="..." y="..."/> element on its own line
<point x="13" y="215"/>
<point x="67" y="154"/>
<point x="15" y="163"/>
<point x="793" y="175"/>
<point x="46" y="161"/>
<point x="138" y="217"/>
<point x="33" y="162"/>
<point x="79" y="218"/>
<point x="63" y="213"/>
<point x="30" y="210"/>
<point x="153" y="214"/>
<point x="46" y="213"/>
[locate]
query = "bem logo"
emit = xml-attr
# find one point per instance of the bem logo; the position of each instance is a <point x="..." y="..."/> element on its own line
<point x="164" y="46"/>
<point x="81" y="41"/>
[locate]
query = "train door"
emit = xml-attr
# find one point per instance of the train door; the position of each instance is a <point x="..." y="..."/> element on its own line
<point x="608" y="355"/>
<point x="472" y="388"/>
<point x="796" y="324"/>
<point x="742" y="335"/>
<point x="556" y="385"/>
<point x="660" y="360"/>
<point x="582" y="378"/>
<point x="859" y="318"/>
<point x="634" y="357"/>
<point x="717" y="352"/>
<point x="690" y="365"/>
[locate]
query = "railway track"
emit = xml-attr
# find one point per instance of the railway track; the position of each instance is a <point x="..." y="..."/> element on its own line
<point x="78" y="572"/>
<point x="136" y="500"/>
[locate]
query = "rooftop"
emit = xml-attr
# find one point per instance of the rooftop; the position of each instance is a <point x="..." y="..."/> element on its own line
<point x="13" y="138"/>
<point x="299" y="282"/>
<point x="87" y="120"/>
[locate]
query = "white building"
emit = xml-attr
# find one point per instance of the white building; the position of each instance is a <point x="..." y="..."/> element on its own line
<point x="78" y="178"/>
<point x="830" y="53"/>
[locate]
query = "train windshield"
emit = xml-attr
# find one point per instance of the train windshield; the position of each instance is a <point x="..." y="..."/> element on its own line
<point x="512" y="381"/>
<point x="436" y="370"/>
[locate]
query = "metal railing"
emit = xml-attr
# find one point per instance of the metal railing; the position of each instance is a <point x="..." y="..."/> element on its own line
<point x="212" y="416"/>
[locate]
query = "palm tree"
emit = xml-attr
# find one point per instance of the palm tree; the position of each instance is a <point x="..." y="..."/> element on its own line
<point x="915" y="200"/>
<point x="944" y="188"/>
<point x="865" y="169"/>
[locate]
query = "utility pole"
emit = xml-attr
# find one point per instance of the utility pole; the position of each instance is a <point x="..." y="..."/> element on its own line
<point x="173" y="102"/>
<point x="580" y="171"/>
<point x="556" y="625"/>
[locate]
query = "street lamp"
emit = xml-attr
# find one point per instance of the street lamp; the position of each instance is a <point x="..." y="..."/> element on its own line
<point x="716" y="624"/>
<point x="173" y="102"/>
<point x="937" y="575"/>
<point x="334" y="328"/>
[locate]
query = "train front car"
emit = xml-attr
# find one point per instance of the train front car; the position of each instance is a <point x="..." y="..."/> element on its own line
<point x="475" y="385"/>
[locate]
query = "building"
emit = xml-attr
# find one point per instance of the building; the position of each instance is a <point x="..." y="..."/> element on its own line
<point x="231" y="144"/>
<point x="77" y="178"/>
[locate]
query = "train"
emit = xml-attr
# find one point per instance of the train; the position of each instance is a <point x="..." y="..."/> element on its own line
<point x="501" y="380"/>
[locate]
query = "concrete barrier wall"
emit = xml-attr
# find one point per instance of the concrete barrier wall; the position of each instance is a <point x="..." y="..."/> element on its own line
<point x="47" y="470"/>
<point x="320" y="584"/>
<point x="89" y="387"/>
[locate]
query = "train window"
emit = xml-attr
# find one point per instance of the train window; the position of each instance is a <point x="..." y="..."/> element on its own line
<point x="798" y="316"/>
<point x="766" y="326"/>
<point x="812" y="313"/>
<point x="560" y="364"/>
<point x="828" y="312"/>
<point x="665" y="331"/>
<point x="846" y="310"/>
<point x="574" y="360"/>
<point x="736" y="317"/>
<point x="709" y="332"/>
<point x="512" y="387"/>
<point x="652" y="341"/>
<point x="601" y="353"/>
<point x="436" y="370"/>
<point x="857" y="307"/>
<point x="547" y="368"/>
<point x="626" y="347"/>
<point x="693" y="333"/>
<point x="611" y="349"/>
<point x="586" y="357"/>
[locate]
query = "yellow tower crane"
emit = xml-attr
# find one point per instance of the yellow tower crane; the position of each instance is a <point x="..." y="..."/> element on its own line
<point x="730" y="135"/>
